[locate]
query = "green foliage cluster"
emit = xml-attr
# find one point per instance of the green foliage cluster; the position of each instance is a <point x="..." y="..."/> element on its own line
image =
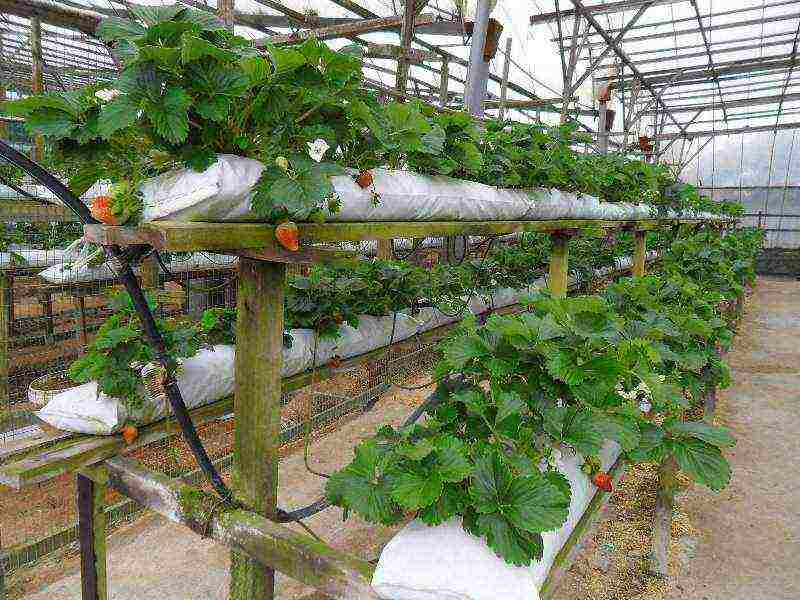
<point x="190" y="89"/>
<point x="567" y="374"/>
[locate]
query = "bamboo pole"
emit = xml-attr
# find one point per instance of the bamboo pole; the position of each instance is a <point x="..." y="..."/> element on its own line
<point x="92" y="535"/>
<point x="559" y="265"/>
<point x="259" y="345"/>
<point x="639" y="253"/>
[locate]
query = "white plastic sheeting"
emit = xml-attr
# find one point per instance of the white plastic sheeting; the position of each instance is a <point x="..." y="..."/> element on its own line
<point x="446" y="562"/>
<point x="83" y="410"/>
<point x="223" y="192"/>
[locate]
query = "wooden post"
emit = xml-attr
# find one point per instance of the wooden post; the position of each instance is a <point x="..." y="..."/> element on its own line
<point x="559" y="265"/>
<point x="444" y="82"/>
<point x="257" y="404"/>
<point x="662" y="523"/>
<point x="639" y="253"/>
<point x="226" y="13"/>
<point x="2" y="570"/>
<point x="92" y="535"/>
<point x="406" y="35"/>
<point x="504" y="84"/>
<point x="478" y="72"/>
<point x="385" y="250"/>
<point x="37" y="78"/>
<point x="5" y="338"/>
<point x="148" y="273"/>
<point x="602" y="128"/>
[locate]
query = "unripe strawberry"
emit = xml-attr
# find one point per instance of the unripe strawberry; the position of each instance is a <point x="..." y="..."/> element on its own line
<point x="282" y="163"/>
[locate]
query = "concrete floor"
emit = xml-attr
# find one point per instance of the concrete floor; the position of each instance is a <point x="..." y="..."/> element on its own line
<point x="750" y="544"/>
<point x="749" y="547"/>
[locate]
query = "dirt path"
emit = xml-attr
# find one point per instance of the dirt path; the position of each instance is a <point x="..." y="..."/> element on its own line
<point x="749" y="547"/>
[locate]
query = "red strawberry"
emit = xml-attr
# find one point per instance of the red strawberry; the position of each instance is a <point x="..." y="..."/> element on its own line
<point x="288" y="236"/>
<point x="101" y="210"/>
<point x="364" y="179"/>
<point x="129" y="434"/>
<point x="603" y="481"/>
<point x="335" y="362"/>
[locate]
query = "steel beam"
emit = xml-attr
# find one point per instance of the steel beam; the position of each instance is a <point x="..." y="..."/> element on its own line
<point x="619" y="52"/>
<point x="599" y="9"/>
<point x="710" y="59"/>
<point x="718" y="132"/>
<point x="734" y="103"/>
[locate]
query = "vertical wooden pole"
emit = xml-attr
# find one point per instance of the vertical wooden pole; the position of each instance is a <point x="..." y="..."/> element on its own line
<point x="504" y="83"/>
<point x="37" y="78"/>
<point x="444" y="82"/>
<point x="257" y="404"/>
<point x="226" y="13"/>
<point x="559" y="265"/>
<point x="148" y="273"/>
<point x="5" y="338"/>
<point x="602" y="128"/>
<point x="385" y="250"/>
<point x="639" y="253"/>
<point x="2" y="570"/>
<point x="478" y="72"/>
<point x="406" y="35"/>
<point x="92" y="536"/>
<point x="662" y="523"/>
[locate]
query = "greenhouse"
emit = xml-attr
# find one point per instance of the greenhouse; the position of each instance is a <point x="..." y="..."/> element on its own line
<point x="408" y="300"/>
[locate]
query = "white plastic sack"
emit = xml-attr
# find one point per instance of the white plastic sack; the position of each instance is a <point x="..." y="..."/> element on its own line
<point x="446" y="562"/>
<point x="223" y="193"/>
<point x="205" y="377"/>
<point x="28" y="257"/>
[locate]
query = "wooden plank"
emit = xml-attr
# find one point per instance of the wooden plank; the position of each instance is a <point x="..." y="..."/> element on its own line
<point x="559" y="265"/>
<point x="585" y="528"/>
<point x="299" y="556"/>
<point x="639" y="253"/>
<point x="24" y="210"/>
<point x="306" y="255"/>
<point x="92" y="537"/>
<point x="186" y="237"/>
<point x="347" y="30"/>
<point x="392" y="52"/>
<point x="66" y="452"/>
<point x="257" y="404"/>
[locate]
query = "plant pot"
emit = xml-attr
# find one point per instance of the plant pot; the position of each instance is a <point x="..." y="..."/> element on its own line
<point x="42" y="389"/>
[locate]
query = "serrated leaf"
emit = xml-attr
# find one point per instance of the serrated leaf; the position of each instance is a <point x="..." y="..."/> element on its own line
<point x="112" y="29"/>
<point x="169" y="117"/>
<point x="118" y="114"/>
<point x="716" y="436"/>
<point x="561" y="365"/>
<point x="533" y="504"/>
<point x="619" y="428"/>
<point x="451" y="458"/>
<point x="508" y="403"/>
<point x="463" y="349"/>
<point x="415" y="450"/>
<point x="703" y="462"/>
<point x="413" y="491"/>
<point x="514" y="546"/>
<point x="489" y="483"/>
<point x="194" y="48"/>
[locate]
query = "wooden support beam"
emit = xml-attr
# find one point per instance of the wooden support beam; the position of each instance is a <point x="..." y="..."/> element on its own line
<point x="257" y="404"/>
<point x="662" y="522"/>
<point x="406" y="35"/>
<point x="444" y="79"/>
<point x="504" y="85"/>
<point x="49" y="12"/>
<point x="559" y="265"/>
<point x="179" y="236"/>
<point x="225" y="10"/>
<point x="92" y="537"/>
<point x="149" y="273"/>
<point x="302" y="558"/>
<point x="639" y="253"/>
<point x="392" y="52"/>
<point x="347" y="30"/>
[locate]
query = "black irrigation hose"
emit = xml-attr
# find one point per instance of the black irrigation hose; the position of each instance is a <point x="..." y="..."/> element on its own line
<point x="154" y="338"/>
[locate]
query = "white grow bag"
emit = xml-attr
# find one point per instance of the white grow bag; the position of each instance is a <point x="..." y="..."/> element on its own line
<point x="447" y="563"/>
<point x="82" y="410"/>
<point x="223" y="192"/>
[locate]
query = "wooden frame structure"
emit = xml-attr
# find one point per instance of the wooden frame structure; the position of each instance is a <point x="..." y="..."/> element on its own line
<point x="258" y="544"/>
